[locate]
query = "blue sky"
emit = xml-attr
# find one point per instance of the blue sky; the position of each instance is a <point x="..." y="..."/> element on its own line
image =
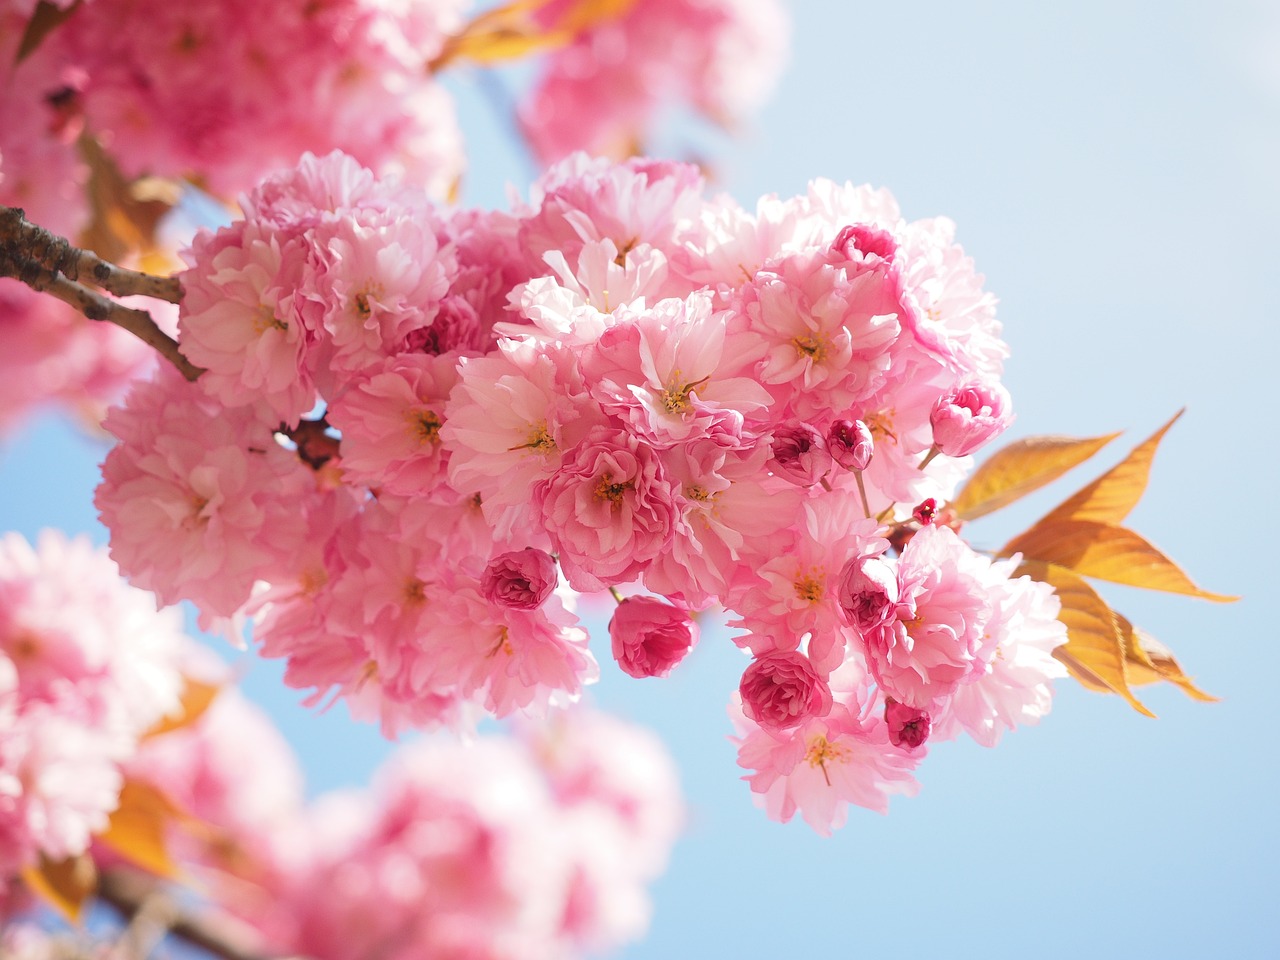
<point x="1113" y="170"/>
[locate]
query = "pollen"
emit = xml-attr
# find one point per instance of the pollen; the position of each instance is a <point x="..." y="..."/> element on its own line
<point x="363" y="300"/>
<point x="880" y="423"/>
<point x="415" y="591"/>
<point x="695" y="492"/>
<point x="822" y="751"/>
<point x="675" y="395"/>
<point x="265" y="319"/>
<point x="425" y="425"/>
<point x="503" y="643"/>
<point x="539" y="441"/>
<point x="606" y="489"/>
<point x="811" y="346"/>
<point x="809" y="588"/>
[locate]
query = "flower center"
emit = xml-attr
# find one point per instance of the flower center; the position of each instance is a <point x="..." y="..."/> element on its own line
<point x="811" y="346"/>
<point x="809" y="587"/>
<point x="540" y="440"/>
<point x="821" y="751"/>
<point x="606" y="489"/>
<point x="426" y="425"/>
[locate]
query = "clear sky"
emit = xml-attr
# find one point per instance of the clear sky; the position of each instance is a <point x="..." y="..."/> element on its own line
<point x="1113" y="169"/>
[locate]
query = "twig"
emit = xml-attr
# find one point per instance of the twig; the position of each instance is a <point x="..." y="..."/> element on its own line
<point x="131" y="892"/>
<point x="30" y="241"/>
<point x="35" y="257"/>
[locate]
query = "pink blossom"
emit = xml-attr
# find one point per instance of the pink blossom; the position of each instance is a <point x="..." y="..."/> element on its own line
<point x="609" y="509"/>
<point x="781" y="689"/>
<point x="938" y="639"/>
<point x="799" y="454"/>
<point x="521" y="579"/>
<point x="868" y="596"/>
<point x="650" y="637"/>
<point x="970" y="416"/>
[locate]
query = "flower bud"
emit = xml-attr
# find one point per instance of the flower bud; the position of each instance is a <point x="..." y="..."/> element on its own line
<point x="799" y="454"/>
<point x="867" y="594"/>
<point x="521" y="579"/>
<point x="849" y="443"/>
<point x="969" y="416"/>
<point x="650" y="637"/>
<point x="782" y="689"/>
<point x="908" y="726"/>
<point x="858" y="241"/>
<point x="925" y="513"/>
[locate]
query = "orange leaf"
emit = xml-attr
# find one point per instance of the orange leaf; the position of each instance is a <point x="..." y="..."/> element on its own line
<point x="1150" y="661"/>
<point x="125" y="215"/>
<point x="1094" y="651"/>
<point x="64" y="885"/>
<point x="511" y="31"/>
<point x="1108" y="553"/>
<point x="46" y="18"/>
<point x="1025" y="465"/>
<point x="137" y="829"/>
<point x="1110" y="498"/>
<point x="197" y="696"/>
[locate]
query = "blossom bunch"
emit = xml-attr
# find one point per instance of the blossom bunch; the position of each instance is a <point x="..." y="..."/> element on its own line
<point x="620" y="384"/>
<point x="87" y="667"/>
<point x="539" y="844"/>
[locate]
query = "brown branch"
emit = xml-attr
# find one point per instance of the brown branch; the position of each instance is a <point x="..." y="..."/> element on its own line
<point x="130" y="892"/>
<point x="28" y="241"/>
<point x="36" y="257"/>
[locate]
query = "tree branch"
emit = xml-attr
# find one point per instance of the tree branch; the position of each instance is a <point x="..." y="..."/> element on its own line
<point x="131" y="893"/>
<point x="50" y="264"/>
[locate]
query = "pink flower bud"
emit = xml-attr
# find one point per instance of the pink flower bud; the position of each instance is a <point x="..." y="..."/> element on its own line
<point x="926" y="512"/>
<point x="861" y="240"/>
<point x="799" y="454"/>
<point x="782" y="689"/>
<point x="868" y="593"/>
<point x="650" y="637"/>
<point x="908" y="726"/>
<point x="969" y="416"/>
<point x="521" y="579"/>
<point x="849" y="443"/>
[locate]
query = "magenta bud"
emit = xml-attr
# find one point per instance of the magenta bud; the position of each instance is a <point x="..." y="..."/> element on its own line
<point x="908" y="726"/>
<point x="650" y="636"/>
<point x="521" y="579"/>
<point x="926" y="512"/>
<point x="850" y="444"/>
<point x="858" y="241"/>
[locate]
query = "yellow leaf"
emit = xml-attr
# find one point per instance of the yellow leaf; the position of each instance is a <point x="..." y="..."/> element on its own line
<point x="511" y="31"/>
<point x="46" y="18"/>
<point x="64" y="885"/>
<point x="124" y="215"/>
<point x="1025" y="465"/>
<point x="1150" y="661"/>
<point x="1107" y="553"/>
<point x="197" y="696"/>
<point x="1094" y="651"/>
<point x="137" y="829"/>
<point x="1110" y="498"/>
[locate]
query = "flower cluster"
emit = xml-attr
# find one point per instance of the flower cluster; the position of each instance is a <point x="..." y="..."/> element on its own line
<point x="540" y="845"/>
<point x="87" y="666"/>
<point x="621" y="379"/>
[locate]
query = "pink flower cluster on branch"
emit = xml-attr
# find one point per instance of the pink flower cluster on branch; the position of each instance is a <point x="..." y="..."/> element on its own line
<point x="622" y="378"/>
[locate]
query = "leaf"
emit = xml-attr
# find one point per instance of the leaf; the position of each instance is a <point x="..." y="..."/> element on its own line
<point x="1150" y="661"/>
<point x="1025" y="465"/>
<point x="138" y="828"/>
<point x="197" y="696"/>
<point x="512" y="31"/>
<point x="1111" y="497"/>
<point x="1108" y="553"/>
<point x="124" y="215"/>
<point x="46" y="18"/>
<point x="1094" y="651"/>
<point x="64" y="885"/>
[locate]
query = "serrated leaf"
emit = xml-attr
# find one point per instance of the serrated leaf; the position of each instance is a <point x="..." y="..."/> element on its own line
<point x="138" y="829"/>
<point x="1094" y="651"/>
<point x="64" y="885"/>
<point x="1111" y="497"/>
<point x="46" y="18"/>
<point x="1108" y="553"/>
<point x="197" y="697"/>
<point x="1021" y="467"/>
<point x="1147" y="660"/>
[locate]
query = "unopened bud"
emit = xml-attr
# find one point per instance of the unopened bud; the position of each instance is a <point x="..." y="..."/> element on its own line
<point x="908" y="726"/>
<point x="850" y="444"/>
